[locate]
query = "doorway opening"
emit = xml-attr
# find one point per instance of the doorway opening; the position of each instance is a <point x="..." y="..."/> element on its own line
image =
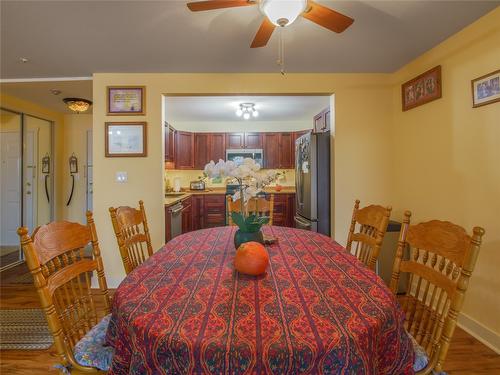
<point x="26" y="179"/>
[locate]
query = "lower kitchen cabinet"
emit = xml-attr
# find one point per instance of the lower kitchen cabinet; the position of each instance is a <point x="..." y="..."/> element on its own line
<point x="168" y="222"/>
<point x="214" y="210"/>
<point x="284" y="210"/>
<point x="198" y="211"/>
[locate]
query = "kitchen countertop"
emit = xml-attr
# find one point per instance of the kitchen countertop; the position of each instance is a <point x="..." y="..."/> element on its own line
<point x="169" y="201"/>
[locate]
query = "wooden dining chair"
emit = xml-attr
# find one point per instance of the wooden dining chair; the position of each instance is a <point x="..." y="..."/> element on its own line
<point x="132" y="234"/>
<point x="367" y="230"/>
<point x="260" y="206"/>
<point x="55" y="255"/>
<point x="441" y="260"/>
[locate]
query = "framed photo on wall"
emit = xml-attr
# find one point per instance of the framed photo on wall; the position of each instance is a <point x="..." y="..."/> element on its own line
<point x="486" y="89"/>
<point x="126" y="100"/>
<point x="125" y="139"/>
<point x="422" y="89"/>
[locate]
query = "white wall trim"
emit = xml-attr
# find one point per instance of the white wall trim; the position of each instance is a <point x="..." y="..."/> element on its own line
<point x="485" y="335"/>
<point x="47" y="79"/>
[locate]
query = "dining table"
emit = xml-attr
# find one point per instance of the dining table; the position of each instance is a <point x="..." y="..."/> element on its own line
<point x="316" y="310"/>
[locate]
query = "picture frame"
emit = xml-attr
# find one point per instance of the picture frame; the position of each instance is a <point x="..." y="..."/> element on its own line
<point x="486" y="89"/>
<point x="126" y="100"/>
<point x="125" y="139"/>
<point x="422" y="89"/>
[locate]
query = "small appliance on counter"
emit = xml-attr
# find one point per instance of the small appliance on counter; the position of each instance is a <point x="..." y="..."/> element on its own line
<point x="177" y="184"/>
<point x="197" y="185"/>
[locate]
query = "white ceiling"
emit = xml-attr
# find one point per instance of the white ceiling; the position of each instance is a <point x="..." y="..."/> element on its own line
<point x="40" y="93"/>
<point x="223" y="108"/>
<point x="77" y="38"/>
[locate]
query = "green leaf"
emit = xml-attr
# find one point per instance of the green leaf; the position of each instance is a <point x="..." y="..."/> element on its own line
<point x="239" y="220"/>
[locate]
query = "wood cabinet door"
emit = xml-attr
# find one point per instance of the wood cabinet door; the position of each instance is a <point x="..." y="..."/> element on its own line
<point x="271" y="150"/>
<point x="184" y="150"/>
<point x="235" y="140"/>
<point x="290" y="199"/>
<point x="187" y="224"/>
<point x="279" y="210"/>
<point x="286" y="151"/>
<point x="327" y="120"/>
<point x="253" y="140"/>
<point x="215" y="210"/>
<point x="217" y="147"/>
<point x="319" y="122"/>
<point x="198" y="212"/>
<point x="201" y="150"/>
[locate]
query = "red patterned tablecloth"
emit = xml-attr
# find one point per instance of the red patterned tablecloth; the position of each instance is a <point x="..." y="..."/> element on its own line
<point x="317" y="310"/>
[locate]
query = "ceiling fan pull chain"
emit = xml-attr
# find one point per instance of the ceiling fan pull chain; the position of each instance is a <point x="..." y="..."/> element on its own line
<point x="281" y="50"/>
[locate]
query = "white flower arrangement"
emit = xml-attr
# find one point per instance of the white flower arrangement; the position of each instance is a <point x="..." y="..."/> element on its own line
<point x="249" y="176"/>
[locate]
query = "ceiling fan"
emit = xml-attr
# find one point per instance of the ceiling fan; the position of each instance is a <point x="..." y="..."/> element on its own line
<point x="281" y="13"/>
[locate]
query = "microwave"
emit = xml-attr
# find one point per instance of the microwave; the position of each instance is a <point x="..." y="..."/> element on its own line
<point x="237" y="155"/>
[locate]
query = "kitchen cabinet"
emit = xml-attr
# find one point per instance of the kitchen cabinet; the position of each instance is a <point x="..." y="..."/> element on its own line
<point x="244" y="140"/>
<point x="284" y="210"/>
<point x="271" y="150"/>
<point x="235" y="140"/>
<point x="169" y="143"/>
<point x="201" y="150"/>
<point x="217" y="147"/>
<point x="279" y="150"/>
<point x="214" y="210"/>
<point x="253" y="140"/>
<point x="184" y="150"/>
<point x="198" y="211"/>
<point x="322" y="121"/>
<point x="187" y="215"/>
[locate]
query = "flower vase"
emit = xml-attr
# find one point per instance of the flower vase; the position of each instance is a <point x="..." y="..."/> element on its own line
<point x="242" y="237"/>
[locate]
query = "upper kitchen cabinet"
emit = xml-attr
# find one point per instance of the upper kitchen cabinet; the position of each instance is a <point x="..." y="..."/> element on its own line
<point x="201" y="150"/>
<point x="253" y="140"/>
<point x="244" y="140"/>
<point x="278" y="150"/>
<point x="217" y="147"/>
<point x="208" y="146"/>
<point x="184" y="150"/>
<point x="235" y="140"/>
<point x="322" y="121"/>
<point x="169" y="143"/>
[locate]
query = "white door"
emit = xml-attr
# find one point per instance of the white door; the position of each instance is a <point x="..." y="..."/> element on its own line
<point x="89" y="179"/>
<point x="10" y="180"/>
<point x="30" y="180"/>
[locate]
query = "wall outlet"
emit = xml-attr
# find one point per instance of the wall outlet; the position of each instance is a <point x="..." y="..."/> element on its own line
<point x="121" y="177"/>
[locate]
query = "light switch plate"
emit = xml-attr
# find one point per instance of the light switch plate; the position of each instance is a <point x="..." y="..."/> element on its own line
<point x="121" y="177"/>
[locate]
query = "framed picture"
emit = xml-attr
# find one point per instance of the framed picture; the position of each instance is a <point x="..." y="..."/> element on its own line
<point x="486" y="89"/>
<point x="125" y="139"/>
<point x="422" y="89"/>
<point x="126" y="100"/>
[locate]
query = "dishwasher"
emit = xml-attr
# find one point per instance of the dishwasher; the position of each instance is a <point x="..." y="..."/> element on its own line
<point x="176" y="219"/>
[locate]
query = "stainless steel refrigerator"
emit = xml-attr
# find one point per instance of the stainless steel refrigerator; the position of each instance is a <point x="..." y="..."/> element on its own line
<point x="312" y="182"/>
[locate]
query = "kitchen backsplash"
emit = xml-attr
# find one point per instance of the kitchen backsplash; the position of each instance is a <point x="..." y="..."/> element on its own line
<point x="186" y="176"/>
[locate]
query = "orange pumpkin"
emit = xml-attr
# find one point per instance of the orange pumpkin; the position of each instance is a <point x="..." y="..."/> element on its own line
<point x="251" y="258"/>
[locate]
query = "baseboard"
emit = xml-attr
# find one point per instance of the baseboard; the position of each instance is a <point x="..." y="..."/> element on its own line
<point x="480" y="332"/>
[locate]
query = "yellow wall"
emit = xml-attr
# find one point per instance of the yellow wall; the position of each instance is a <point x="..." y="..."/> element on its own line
<point x="15" y="104"/>
<point x="447" y="154"/>
<point x="75" y="135"/>
<point x="359" y="117"/>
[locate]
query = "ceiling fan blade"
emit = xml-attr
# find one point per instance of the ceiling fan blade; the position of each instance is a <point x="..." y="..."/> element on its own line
<point x="263" y="34"/>
<point x="217" y="4"/>
<point x="327" y="17"/>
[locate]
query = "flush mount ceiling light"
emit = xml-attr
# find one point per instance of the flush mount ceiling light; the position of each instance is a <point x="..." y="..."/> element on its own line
<point x="247" y="110"/>
<point x="282" y="13"/>
<point x="77" y="105"/>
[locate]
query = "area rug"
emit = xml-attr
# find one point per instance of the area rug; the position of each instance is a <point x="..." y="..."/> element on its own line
<point x="24" y="329"/>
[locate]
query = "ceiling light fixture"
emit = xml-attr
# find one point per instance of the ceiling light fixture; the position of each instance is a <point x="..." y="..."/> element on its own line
<point x="283" y="13"/>
<point x="246" y="110"/>
<point x="77" y="105"/>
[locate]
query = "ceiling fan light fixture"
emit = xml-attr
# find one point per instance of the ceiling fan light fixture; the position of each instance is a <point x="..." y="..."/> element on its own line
<point x="282" y="12"/>
<point x="77" y="105"/>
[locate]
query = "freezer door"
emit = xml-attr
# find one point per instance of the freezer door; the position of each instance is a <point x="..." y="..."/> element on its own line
<point x="305" y="182"/>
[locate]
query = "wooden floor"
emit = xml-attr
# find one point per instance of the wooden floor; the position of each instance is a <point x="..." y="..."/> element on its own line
<point x="467" y="356"/>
